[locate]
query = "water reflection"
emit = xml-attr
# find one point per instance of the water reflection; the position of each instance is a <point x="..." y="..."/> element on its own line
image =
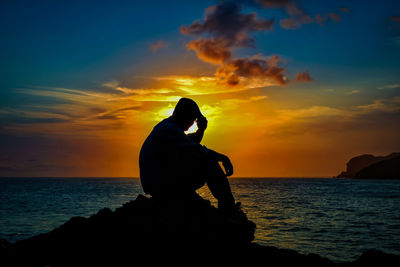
<point x="335" y="218"/>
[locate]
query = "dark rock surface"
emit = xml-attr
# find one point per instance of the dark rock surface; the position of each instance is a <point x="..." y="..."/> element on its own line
<point x="145" y="231"/>
<point x="357" y="164"/>
<point x="386" y="169"/>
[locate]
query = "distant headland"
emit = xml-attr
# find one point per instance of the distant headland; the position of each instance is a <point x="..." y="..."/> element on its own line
<point x="373" y="167"/>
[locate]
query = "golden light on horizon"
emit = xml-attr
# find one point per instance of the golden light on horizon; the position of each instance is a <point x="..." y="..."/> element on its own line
<point x="263" y="135"/>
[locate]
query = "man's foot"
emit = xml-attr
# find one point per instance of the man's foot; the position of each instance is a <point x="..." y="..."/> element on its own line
<point x="237" y="218"/>
<point x="234" y="211"/>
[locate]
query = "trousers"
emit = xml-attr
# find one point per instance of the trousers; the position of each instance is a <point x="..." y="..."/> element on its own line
<point x="191" y="174"/>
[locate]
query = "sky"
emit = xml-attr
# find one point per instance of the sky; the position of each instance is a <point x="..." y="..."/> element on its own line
<point x="290" y="88"/>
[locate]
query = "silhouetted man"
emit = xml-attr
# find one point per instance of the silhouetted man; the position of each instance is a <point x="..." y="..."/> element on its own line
<point x="174" y="164"/>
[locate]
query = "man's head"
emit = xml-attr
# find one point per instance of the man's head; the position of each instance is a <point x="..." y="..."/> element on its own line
<point x="186" y="112"/>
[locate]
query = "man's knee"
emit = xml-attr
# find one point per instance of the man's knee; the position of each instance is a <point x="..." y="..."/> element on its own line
<point x="213" y="168"/>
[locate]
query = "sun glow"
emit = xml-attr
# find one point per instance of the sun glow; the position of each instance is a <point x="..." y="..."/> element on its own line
<point x="192" y="128"/>
<point x="163" y="113"/>
<point x="166" y="112"/>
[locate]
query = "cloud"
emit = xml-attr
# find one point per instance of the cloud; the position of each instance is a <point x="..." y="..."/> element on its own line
<point x="20" y="116"/>
<point x="389" y="86"/>
<point x="141" y="91"/>
<point x="297" y="14"/>
<point x="225" y="21"/>
<point x="297" y="21"/>
<point x="201" y="85"/>
<point x="80" y="111"/>
<point x="119" y="113"/>
<point x="303" y="77"/>
<point x="352" y="92"/>
<point x="395" y="18"/>
<point x="270" y="3"/>
<point x="213" y="50"/>
<point x="255" y="68"/>
<point x="322" y="19"/>
<point x="157" y="46"/>
<point x="236" y="103"/>
<point x="309" y="113"/>
<point x="224" y="27"/>
<point x="383" y="105"/>
<point x="390" y="105"/>
<point x="211" y="85"/>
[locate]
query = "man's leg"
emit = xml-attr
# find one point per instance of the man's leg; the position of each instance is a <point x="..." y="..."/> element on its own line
<point x="218" y="184"/>
<point x="196" y="170"/>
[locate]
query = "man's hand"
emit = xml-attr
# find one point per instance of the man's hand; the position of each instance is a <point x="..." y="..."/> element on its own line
<point x="226" y="162"/>
<point x="202" y="123"/>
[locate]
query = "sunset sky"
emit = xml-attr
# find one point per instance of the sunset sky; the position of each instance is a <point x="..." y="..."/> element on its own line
<point x="290" y="88"/>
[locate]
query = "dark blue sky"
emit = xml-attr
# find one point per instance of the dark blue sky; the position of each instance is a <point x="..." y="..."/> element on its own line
<point x="76" y="43"/>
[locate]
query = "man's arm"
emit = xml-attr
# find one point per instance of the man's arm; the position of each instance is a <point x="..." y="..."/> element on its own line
<point x="226" y="162"/>
<point x="197" y="136"/>
<point x="202" y="126"/>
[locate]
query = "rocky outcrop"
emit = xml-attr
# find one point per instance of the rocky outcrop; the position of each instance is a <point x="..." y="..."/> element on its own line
<point x="146" y="231"/>
<point x="357" y="165"/>
<point x="385" y="169"/>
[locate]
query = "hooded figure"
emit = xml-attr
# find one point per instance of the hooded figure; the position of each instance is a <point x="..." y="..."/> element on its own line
<point x="174" y="164"/>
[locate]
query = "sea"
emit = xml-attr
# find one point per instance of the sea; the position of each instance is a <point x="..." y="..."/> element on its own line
<point x="336" y="218"/>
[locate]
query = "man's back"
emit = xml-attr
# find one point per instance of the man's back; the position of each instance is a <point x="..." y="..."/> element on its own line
<point x="161" y="155"/>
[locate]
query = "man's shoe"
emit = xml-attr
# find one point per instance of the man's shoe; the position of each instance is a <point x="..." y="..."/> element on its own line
<point x="235" y="212"/>
<point x="236" y="217"/>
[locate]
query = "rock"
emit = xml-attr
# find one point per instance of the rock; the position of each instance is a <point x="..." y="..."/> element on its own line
<point x="357" y="164"/>
<point x="343" y="174"/>
<point x="385" y="169"/>
<point x="374" y="257"/>
<point x="138" y="230"/>
<point x="5" y="252"/>
<point x="146" y="231"/>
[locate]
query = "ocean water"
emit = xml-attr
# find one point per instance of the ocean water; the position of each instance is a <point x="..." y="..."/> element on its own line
<point x="335" y="218"/>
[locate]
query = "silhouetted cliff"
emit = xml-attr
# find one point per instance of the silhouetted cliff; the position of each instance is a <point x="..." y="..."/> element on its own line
<point x="145" y="231"/>
<point x="357" y="165"/>
<point x="387" y="169"/>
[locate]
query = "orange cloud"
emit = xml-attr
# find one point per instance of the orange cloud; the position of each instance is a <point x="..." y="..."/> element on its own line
<point x="226" y="27"/>
<point x="201" y="85"/>
<point x="214" y="50"/>
<point x="303" y="77"/>
<point x="255" y="68"/>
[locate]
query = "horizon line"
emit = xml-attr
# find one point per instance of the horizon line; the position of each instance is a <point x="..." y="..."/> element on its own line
<point x="132" y="177"/>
